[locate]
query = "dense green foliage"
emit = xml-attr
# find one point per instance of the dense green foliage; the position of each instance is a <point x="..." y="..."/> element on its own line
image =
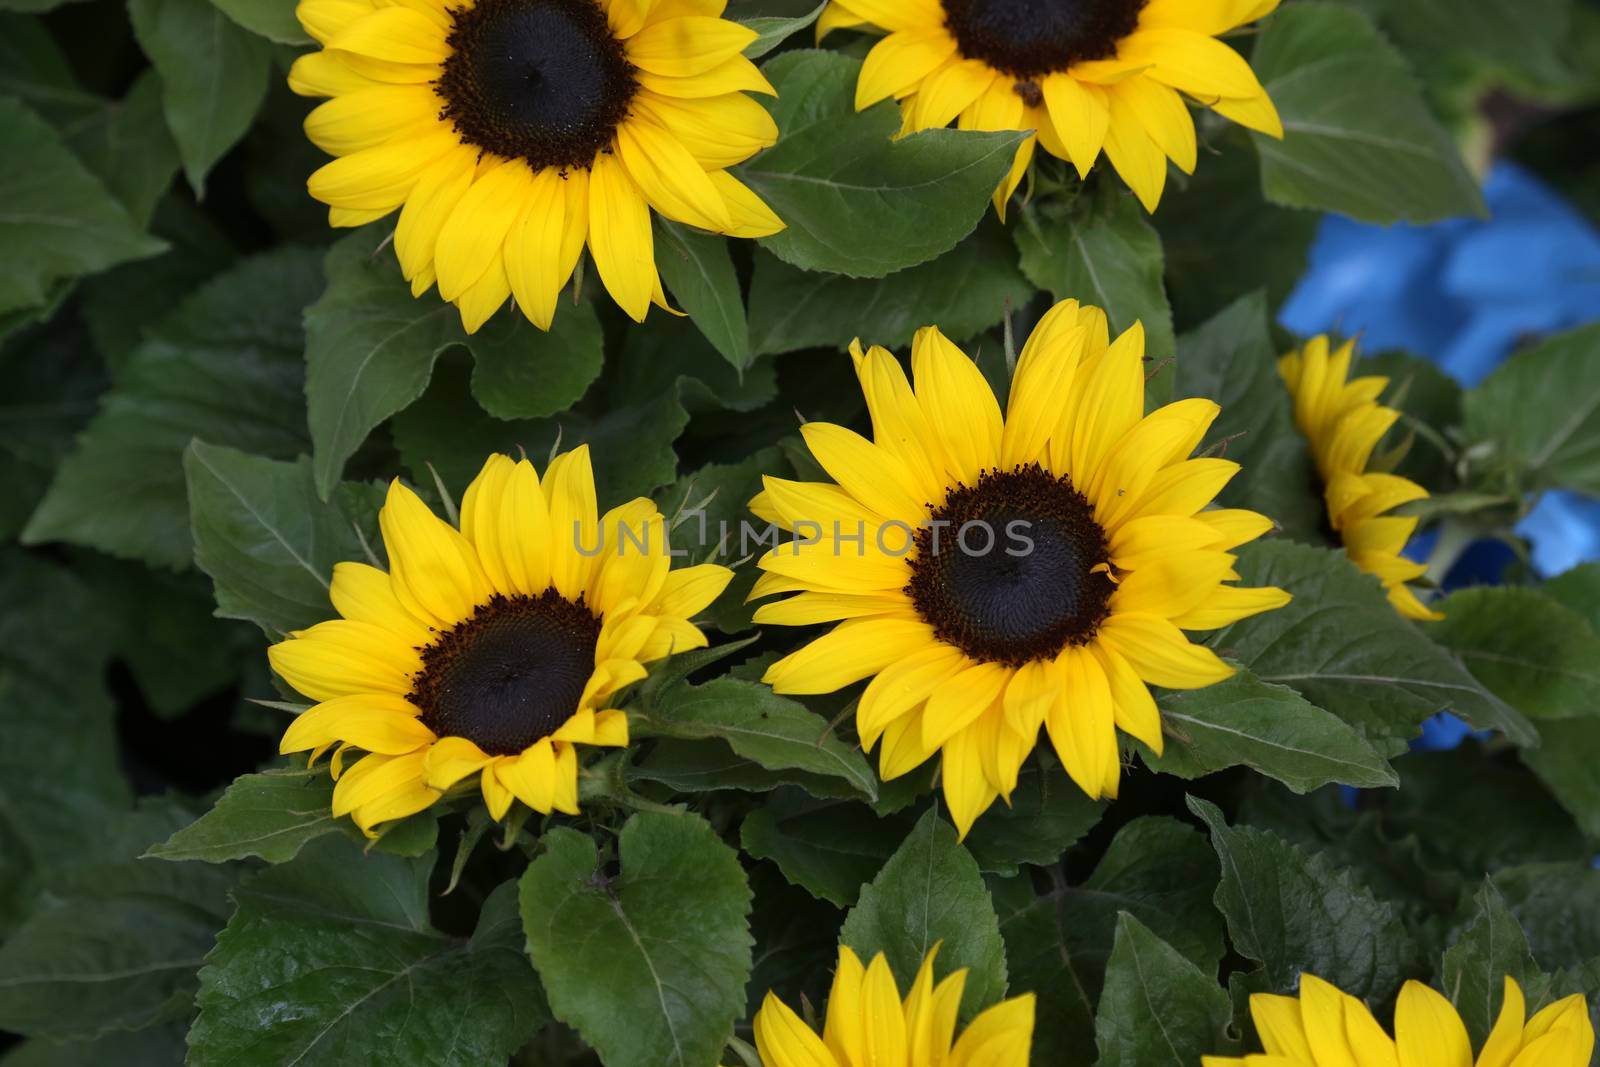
<point x="206" y="390"/>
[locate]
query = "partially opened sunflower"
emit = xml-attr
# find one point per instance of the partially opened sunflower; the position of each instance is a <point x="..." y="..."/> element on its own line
<point x="512" y="133"/>
<point x="493" y="650"/>
<point x="1085" y="76"/>
<point x="998" y="574"/>
<point x="1343" y="423"/>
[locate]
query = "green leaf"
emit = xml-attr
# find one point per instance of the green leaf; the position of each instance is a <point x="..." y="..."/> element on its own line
<point x="1341" y="644"/>
<point x="1533" y="652"/>
<point x="168" y="635"/>
<point x="213" y="76"/>
<point x="270" y="815"/>
<point x="59" y="776"/>
<point x="930" y="892"/>
<point x="224" y="366"/>
<point x="53" y="380"/>
<point x="1524" y="39"/>
<point x="116" y="942"/>
<point x="267" y="541"/>
<point x="663" y="945"/>
<point x="1269" y="728"/>
<point x="35" y="70"/>
<point x="774" y="731"/>
<point x="127" y="145"/>
<point x="1157" y="1007"/>
<point x="1565" y="763"/>
<point x="775" y="29"/>
<point x="828" y="849"/>
<point x="856" y="201"/>
<point x="1359" y="139"/>
<point x="1038" y="959"/>
<point x="1297" y="914"/>
<point x="1161" y="872"/>
<point x="1222" y="241"/>
<point x="631" y="444"/>
<point x="371" y="348"/>
<point x="708" y="766"/>
<point x="331" y="959"/>
<point x="1102" y="250"/>
<point x="709" y="506"/>
<point x="1579" y="590"/>
<point x="60" y="222"/>
<point x="1047" y="815"/>
<point x="272" y="19"/>
<point x="698" y="271"/>
<point x="1541" y="412"/>
<point x="1487" y="951"/>
<point x="1474" y="812"/>
<point x="673" y="355"/>
<point x="1232" y="360"/>
<point x="154" y="1046"/>
<point x="1558" y="906"/>
<point x="965" y="293"/>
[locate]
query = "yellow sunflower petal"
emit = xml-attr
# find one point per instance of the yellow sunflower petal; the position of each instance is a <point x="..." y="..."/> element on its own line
<point x="1000" y="1036"/>
<point x="896" y="64"/>
<point x="433" y="569"/>
<point x="568" y="487"/>
<point x="475" y="233"/>
<point x="363" y="593"/>
<point x="451" y="759"/>
<point x="1427" y="1030"/>
<point x="682" y="47"/>
<point x="1081" y="115"/>
<point x="342" y="658"/>
<point x="378" y="722"/>
<point x="719" y="131"/>
<point x="671" y="179"/>
<point x="850" y="652"/>
<point x="958" y="403"/>
<point x="960" y="700"/>
<point x="784" y="1040"/>
<point x="1161" y="654"/>
<point x="543" y="244"/>
<point x="619" y="236"/>
<point x="1082" y="723"/>
<point x="967" y="788"/>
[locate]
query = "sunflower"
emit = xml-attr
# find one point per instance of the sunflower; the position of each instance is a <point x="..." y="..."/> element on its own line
<point x="492" y="650"/>
<point x="867" y="1023"/>
<point x="995" y="574"/>
<point x="1084" y="75"/>
<point x="510" y="133"/>
<point x="1344" y="422"/>
<point x="1324" y="1026"/>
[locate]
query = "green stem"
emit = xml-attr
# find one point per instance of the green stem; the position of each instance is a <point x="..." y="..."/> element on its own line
<point x="1454" y="538"/>
<point x="750" y="1056"/>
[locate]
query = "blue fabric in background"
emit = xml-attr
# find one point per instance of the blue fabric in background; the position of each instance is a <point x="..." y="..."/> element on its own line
<point x="1464" y="294"/>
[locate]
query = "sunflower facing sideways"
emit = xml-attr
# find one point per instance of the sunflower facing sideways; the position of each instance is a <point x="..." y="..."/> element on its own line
<point x="868" y="1025"/>
<point x="1084" y="75"/>
<point x="1324" y="1026"/>
<point x="1343" y="422"/>
<point x="492" y="650"/>
<point x="997" y="574"/>
<point x="510" y="133"/>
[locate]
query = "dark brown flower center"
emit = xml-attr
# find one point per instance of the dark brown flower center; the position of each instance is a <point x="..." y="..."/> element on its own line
<point x="543" y="80"/>
<point x="1028" y="39"/>
<point x="1006" y="570"/>
<point x="510" y="674"/>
